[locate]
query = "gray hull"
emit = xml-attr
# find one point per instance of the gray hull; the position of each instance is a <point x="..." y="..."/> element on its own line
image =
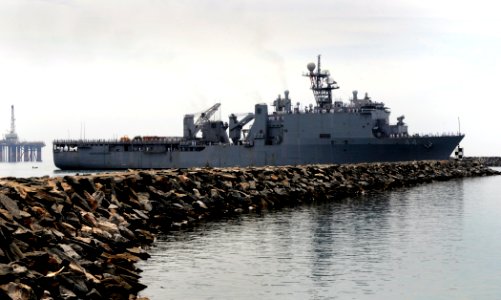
<point x="99" y="157"/>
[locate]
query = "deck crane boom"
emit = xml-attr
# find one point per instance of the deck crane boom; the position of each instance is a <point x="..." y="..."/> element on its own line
<point x="206" y="115"/>
<point x="192" y="127"/>
<point x="237" y="125"/>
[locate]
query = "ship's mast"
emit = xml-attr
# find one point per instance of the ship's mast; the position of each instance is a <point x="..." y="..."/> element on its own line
<point x="321" y="85"/>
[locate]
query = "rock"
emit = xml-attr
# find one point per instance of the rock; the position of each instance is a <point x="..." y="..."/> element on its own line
<point x="244" y="186"/>
<point x="141" y="214"/>
<point x="138" y="252"/>
<point x="89" y="218"/>
<point x="92" y="201"/>
<point x="106" y="226"/>
<point x="66" y="293"/>
<point x="93" y="294"/>
<point x="10" y="205"/>
<point x="78" y="200"/>
<point x="68" y="250"/>
<point x="126" y="232"/>
<point x="55" y="273"/>
<point x="227" y="184"/>
<point x="214" y="193"/>
<point x="18" y="291"/>
<point x="201" y="204"/>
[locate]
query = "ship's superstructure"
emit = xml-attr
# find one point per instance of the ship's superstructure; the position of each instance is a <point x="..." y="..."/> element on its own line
<point x="328" y="132"/>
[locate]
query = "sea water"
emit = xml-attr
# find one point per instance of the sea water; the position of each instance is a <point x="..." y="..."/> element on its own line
<point x="38" y="169"/>
<point x="433" y="241"/>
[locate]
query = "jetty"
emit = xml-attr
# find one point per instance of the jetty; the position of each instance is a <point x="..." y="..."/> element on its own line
<point x="492" y="161"/>
<point x="14" y="150"/>
<point x="79" y="237"/>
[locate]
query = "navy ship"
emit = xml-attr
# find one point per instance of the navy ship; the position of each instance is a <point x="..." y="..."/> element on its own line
<point x="326" y="133"/>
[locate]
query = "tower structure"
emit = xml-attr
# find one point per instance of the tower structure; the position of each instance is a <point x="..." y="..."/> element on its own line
<point x="12" y="137"/>
<point x="13" y="150"/>
<point x="321" y="84"/>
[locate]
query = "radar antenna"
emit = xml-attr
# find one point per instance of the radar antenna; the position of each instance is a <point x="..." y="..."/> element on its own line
<point x="321" y="85"/>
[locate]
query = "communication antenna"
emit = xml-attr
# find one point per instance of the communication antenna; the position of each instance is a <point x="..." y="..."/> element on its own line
<point x="321" y="84"/>
<point x="82" y="130"/>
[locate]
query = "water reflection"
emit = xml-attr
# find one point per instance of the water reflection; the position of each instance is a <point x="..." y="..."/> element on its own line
<point x="343" y="241"/>
<point x="408" y="243"/>
<point x="354" y="240"/>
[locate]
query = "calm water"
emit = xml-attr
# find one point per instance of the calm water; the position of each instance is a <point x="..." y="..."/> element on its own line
<point x="435" y="241"/>
<point x="36" y="169"/>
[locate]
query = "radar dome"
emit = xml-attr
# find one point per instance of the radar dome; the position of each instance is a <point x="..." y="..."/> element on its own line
<point x="311" y="66"/>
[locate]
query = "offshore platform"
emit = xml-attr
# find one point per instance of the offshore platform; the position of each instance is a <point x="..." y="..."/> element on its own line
<point x="14" y="150"/>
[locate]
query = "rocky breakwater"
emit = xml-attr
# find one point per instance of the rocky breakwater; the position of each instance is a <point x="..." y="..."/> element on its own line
<point x="493" y="161"/>
<point x="78" y="237"/>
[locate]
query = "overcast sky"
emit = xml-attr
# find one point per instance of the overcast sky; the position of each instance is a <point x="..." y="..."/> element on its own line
<point x="125" y="67"/>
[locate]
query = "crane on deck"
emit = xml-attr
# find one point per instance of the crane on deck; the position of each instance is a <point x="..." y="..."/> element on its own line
<point x="192" y="127"/>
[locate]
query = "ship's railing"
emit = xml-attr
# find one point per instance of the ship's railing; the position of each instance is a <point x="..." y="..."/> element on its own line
<point x="115" y="141"/>
<point x="171" y="144"/>
<point x="69" y="145"/>
<point x="417" y="135"/>
<point x="333" y="110"/>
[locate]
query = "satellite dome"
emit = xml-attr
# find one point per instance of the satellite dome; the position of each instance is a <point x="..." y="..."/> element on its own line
<point x="311" y="66"/>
